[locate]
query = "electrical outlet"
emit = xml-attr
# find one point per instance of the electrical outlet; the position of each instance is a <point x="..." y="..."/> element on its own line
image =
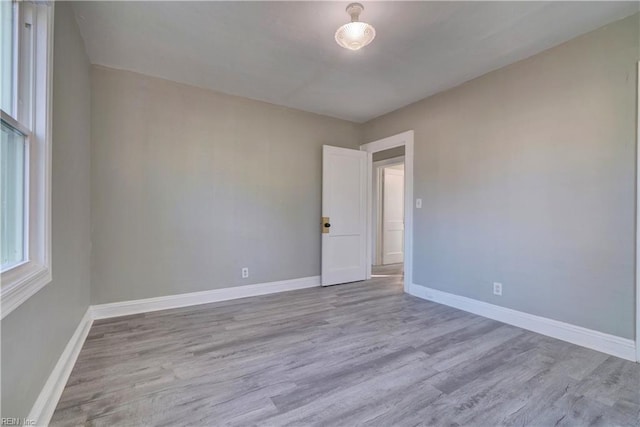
<point x="497" y="288"/>
<point x="245" y="272"/>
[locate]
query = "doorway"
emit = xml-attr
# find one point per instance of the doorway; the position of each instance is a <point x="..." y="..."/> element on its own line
<point x="388" y="209"/>
<point x="390" y="155"/>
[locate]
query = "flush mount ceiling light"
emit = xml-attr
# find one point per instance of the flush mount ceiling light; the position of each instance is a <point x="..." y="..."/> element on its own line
<point x="355" y="35"/>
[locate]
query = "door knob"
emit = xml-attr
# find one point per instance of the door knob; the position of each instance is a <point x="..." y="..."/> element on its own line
<point x="326" y="224"/>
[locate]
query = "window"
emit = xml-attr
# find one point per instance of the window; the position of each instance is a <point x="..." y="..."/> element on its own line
<point x="25" y="139"/>
<point x="12" y="191"/>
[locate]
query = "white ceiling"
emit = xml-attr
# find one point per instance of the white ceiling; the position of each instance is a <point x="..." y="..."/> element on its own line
<point x="284" y="52"/>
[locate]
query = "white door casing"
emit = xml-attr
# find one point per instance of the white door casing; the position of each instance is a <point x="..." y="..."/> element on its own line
<point x="344" y="203"/>
<point x="392" y="215"/>
<point x="405" y="139"/>
<point x="638" y="217"/>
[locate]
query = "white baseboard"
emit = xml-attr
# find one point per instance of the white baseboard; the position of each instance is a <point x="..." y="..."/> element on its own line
<point x="125" y="308"/>
<point x="606" y="343"/>
<point x="47" y="400"/>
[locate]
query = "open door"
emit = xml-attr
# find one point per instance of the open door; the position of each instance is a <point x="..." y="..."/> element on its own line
<point x="344" y="215"/>
<point x="393" y="215"/>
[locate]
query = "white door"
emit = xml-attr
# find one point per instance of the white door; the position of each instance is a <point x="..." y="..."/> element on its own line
<point x="344" y="212"/>
<point x="393" y="215"/>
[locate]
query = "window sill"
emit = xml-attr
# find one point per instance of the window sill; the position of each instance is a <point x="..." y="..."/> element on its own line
<point x="20" y="283"/>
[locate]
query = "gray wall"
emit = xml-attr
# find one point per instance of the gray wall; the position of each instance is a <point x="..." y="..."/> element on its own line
<point x="388" y="154"/>
<point x="34" y="335"/>
<point x="527" y="178"/>
<point x="190" y="185"/>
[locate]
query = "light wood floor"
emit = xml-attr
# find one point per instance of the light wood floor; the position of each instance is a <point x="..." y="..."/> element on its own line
<point x="362" y="353"/>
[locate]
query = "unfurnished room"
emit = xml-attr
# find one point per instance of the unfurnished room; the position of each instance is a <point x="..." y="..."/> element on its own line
<point x="319" y="213"/>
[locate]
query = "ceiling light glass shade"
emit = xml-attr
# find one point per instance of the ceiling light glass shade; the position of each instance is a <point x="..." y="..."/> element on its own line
<point x="355" y="35"/>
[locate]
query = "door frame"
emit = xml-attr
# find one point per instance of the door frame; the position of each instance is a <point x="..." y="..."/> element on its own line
<point x="638" y="216"/>
<point x="405" y="139"/>
<point x="377" y="203"/>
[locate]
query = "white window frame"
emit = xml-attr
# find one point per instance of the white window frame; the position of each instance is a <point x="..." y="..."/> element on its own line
<point x="33" y="110"/>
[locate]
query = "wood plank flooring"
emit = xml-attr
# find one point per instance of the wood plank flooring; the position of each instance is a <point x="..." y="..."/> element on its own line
<point x="361" y="353"/>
